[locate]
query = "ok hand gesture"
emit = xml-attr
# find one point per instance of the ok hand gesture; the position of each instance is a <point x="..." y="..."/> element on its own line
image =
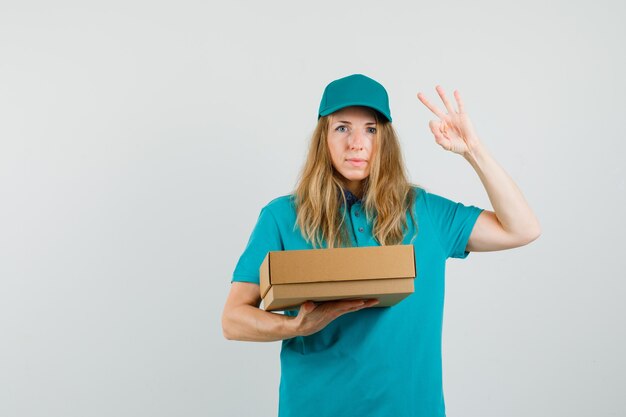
<point x="453" y="131"/>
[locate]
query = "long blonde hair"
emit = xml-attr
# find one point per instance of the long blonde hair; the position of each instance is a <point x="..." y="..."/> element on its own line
<point x="387" y="193"/>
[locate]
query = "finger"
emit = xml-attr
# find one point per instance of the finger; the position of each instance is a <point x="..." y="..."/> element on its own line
<point x="439" y="128"/>
<point x="308" y="307"/>
<point x="459" y="102"/>
<point x="444" y="143"/>
<point x="440" y="138"/>
<point x="366" y="304"/>
<point x="353" y="309"/>
<point x="431" y="106"/>
<point x="349" y="304"/>
<point x="371" y="303"/>
<point x="445" y="100"/>
<point x="337" y="305"/>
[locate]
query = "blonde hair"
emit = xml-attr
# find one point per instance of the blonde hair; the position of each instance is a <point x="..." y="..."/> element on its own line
<point x="387" y="194"/>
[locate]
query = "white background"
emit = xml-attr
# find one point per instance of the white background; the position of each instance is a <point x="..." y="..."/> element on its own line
<point x="139" y="140"/>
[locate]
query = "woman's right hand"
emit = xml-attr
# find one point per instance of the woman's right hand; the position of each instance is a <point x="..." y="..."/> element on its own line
<point x="314" y="317"/>
<point x="242" y="318"/>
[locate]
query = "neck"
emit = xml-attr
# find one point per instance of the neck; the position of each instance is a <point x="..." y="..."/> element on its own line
<point x="355" y="187"/>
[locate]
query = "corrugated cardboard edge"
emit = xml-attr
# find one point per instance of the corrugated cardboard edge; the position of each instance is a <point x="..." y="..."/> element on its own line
<point x="264" y="275"/>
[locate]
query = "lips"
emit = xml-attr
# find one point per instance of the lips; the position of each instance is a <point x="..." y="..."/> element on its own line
<point x="357" y="162"/>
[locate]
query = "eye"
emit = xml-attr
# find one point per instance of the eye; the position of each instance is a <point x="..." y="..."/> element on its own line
<point x="340" y="127"/>
<point x="372" y="130"/>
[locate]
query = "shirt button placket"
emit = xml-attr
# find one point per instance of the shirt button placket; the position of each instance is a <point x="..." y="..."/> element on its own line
<point x="358" y="225"/>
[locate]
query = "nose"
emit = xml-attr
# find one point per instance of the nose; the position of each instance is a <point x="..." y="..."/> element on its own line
<point x="355" y="141"/>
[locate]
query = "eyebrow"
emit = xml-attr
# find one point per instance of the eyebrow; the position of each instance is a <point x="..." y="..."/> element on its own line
<point x="349" y="123"/>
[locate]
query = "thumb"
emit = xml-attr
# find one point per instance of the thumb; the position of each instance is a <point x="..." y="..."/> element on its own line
<point x="439" y="128"/>
<point x="434" y="125"/>
<point x="307" y="307"/>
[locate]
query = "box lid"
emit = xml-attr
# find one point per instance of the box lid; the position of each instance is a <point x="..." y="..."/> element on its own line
<point x="341" y="264"/>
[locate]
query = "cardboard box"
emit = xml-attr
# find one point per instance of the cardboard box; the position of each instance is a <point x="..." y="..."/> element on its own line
<point x="289" y="278"/>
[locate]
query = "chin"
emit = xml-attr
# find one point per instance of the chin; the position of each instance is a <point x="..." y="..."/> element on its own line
<point x="355" y="177"/>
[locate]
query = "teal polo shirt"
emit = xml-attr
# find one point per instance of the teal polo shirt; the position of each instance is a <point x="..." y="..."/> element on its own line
<point x="376" y="362"/>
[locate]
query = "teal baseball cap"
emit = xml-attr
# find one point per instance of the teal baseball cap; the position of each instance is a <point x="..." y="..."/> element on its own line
<point x="354" y="90"/>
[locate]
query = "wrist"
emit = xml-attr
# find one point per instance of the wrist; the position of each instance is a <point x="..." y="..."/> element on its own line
<point x="291" y="327"/>
<point x="476" y="153"/>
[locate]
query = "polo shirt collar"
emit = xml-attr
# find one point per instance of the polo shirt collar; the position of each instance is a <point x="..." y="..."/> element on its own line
<point x="350" y="198"/>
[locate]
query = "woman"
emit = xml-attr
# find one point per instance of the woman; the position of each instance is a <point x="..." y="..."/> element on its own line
<point x="353" y="191"/>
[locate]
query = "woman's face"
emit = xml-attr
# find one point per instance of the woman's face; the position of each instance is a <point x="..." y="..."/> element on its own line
<point x="351" y="137"/>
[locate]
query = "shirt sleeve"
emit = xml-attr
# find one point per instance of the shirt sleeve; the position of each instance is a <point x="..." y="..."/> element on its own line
<point x="265" y="237"/>
<point x="453" y="222"/>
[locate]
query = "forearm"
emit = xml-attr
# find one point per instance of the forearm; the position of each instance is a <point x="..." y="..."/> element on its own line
<point x="510" y="206"/>
<point x="249" y="323"/>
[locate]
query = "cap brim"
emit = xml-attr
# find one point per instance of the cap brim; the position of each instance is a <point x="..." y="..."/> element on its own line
<point x="333" y="109"/>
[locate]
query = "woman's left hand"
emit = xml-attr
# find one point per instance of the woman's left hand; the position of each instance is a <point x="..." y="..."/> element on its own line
<point x="454" y="131"/>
